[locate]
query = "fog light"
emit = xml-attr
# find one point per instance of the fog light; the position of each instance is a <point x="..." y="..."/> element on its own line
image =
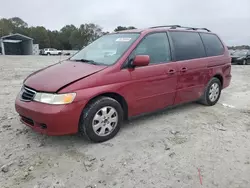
<point x="43" y="126"/>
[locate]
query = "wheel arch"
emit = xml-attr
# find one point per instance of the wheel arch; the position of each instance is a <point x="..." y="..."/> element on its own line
<point x="220" y="77"/>
<point x="119" y="98"/>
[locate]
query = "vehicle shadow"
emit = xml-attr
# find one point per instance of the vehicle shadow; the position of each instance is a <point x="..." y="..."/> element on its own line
<point x="159" y="114"/>
<point x="77" y="140"/>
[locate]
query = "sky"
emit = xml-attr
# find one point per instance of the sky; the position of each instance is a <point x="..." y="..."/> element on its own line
<point x="230" y="19"/>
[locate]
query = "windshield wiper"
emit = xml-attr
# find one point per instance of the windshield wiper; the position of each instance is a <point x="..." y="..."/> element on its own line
<point x="86" y="61"/>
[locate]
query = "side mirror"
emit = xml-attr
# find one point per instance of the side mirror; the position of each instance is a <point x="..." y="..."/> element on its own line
<point x="141" y="60"/>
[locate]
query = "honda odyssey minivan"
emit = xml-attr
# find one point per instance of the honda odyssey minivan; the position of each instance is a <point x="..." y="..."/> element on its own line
<point x="125" y="74"/>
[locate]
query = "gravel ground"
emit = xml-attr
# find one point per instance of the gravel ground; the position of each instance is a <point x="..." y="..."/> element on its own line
<point x="164" y="150"/>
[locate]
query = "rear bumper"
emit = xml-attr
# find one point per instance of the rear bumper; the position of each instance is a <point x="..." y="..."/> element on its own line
<point x="50" y="119"/>
<point x="227" y="81"/>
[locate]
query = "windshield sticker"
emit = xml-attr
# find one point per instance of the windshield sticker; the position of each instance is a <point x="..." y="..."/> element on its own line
<point x="123" y="39"/>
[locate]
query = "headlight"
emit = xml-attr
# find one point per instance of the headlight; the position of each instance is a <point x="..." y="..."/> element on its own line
<point x="50" y="98"/>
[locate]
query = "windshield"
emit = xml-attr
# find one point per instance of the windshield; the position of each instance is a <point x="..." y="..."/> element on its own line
<point x="107" y="49"/>
<point x="240" y="53"/>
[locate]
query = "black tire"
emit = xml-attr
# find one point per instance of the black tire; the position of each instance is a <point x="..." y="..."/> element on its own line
<point x="244" y="62"/>
<point x="205" y="98"/>
<point x="85" y="125"/>
<point x="48" y="54"/>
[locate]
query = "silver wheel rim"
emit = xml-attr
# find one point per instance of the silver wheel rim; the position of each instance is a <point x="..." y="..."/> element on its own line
<point x="214" y="92"/>
<point x="244" y="62"/>
<point x="105" y="121"/>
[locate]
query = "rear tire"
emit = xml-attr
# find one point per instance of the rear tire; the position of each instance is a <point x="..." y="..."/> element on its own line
<point x="212" y="92"/>
<point x="101" y="119"/>
<point x="48" y="54"/>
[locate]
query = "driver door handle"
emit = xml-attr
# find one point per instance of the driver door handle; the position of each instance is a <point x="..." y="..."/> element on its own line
<point x="183" y="69"/>
<point x="171" y="71"/>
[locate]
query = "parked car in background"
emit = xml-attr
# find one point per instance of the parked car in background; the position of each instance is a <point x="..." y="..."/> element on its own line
<point x="50" y="51"/>
<point x="231" y="52"/>
<point x="139" y="72"/>
<point x="241" y="57"/>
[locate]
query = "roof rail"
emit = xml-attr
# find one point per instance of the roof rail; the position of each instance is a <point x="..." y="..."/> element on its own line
<point x="178" y="26"/>
<point x="196" y="28"/>
<point x="172" y="26"/>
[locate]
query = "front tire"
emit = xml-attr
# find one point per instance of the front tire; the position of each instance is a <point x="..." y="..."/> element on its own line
<point x="244" y="62"/>
<point x="101" y="119"/>
<point x="212" y="92"/>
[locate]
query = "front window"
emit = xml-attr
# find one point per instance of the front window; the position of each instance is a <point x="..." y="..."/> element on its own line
<point x="107" y="49"/>
<point x="155" y="45"/>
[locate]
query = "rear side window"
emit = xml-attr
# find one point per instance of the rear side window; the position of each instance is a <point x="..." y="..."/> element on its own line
<point x="213" y="45"/>
<point x="187" y="45"/>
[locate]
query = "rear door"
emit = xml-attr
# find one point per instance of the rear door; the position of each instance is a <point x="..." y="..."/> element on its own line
<point x="154" y="86"/>
<point x="218" y="58"/>
<point x="190" y="56"/>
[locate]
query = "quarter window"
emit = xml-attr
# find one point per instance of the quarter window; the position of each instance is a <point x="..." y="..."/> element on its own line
<point x="187" y="45"/>
<point x="155" y="45"/>
<point x="212" y="43"/>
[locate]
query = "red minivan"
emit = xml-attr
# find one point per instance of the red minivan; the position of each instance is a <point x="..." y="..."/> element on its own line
<point x="125" y="74"/>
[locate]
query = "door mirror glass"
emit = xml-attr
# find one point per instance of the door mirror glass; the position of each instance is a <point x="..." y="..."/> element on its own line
<point x="141" y="60"/>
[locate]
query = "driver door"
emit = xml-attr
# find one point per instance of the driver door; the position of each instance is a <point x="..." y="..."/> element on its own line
<point x="154" y="86"/>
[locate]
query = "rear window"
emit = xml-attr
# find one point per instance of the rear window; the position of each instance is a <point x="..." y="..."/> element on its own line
<point x="187" y="45"/>
<point x="212" y="43"/>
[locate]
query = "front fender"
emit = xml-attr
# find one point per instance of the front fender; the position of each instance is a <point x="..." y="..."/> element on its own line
<point x="90" y="93"/>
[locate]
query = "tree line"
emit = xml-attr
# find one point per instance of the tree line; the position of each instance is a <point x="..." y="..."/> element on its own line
<point x="69" y="37"/>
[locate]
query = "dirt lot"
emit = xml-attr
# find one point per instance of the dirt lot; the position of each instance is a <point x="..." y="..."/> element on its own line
<point x="163" y="150"/>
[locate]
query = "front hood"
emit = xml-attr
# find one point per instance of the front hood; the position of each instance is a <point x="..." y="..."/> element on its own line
<point x="54" y="77"/>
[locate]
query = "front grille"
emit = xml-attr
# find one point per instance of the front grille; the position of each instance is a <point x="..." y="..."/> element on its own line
<point x="27" y="94"/>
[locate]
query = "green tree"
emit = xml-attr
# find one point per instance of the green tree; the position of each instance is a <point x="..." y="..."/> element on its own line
<point x="84" y="35"/>
<point x="121" y="28"/>
<point x="105" y="32"/>
<point x="74" y="40"/>
<point x="40" y="36"/>
<point x="54" y="38"/>
<point x="69" y="37"/>
<point x="90" y="32"/>
<point x="65" y="35"/>
<point x="19" y="26"/>
<point x="18" y="22"/>
<point x="13" y="25"/>
<point x="6" y="27"/>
